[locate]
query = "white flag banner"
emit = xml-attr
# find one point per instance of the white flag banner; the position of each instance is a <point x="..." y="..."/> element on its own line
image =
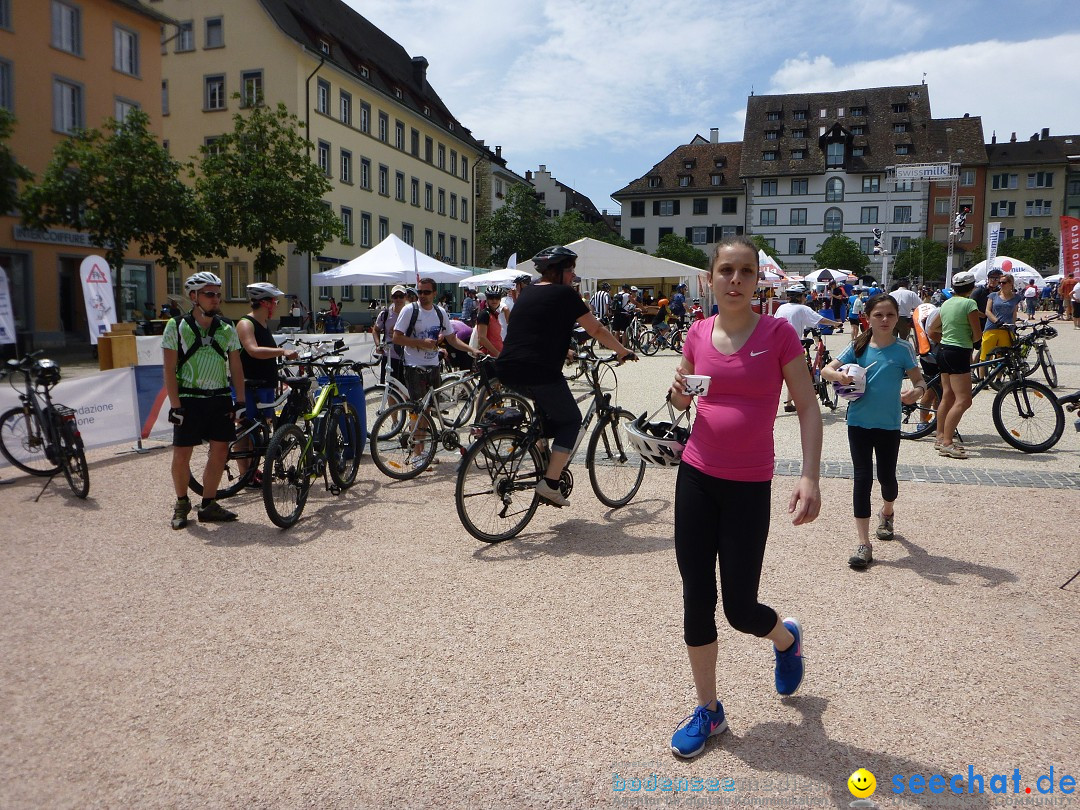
<point x="993" y="234"/>
<point x="97" y="290"/>
<point x="7" y="314"/>
<point x="511" y="263"/>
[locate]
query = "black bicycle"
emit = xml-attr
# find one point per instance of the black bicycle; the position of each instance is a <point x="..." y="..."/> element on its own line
<point x="41" y="437"/>
<point x="825" y="390"/>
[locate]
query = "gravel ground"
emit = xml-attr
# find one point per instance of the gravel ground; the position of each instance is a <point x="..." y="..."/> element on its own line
<point x="375" y="655"/>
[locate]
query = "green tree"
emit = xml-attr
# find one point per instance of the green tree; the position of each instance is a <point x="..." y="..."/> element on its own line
<point x="519" y="226"/>
<point x="261" y="189"/>
<point x="11" y="171"/>
<point x="679" y="250"/>
<point x="840" y="252"/>
<point x="119" y="186"/>
<point x="571" y="226"/>
<point x="1040" y="251"/>
<point x="974" y="256"/>
<point x="924" y="258"/>
<point x="770" y="251"/>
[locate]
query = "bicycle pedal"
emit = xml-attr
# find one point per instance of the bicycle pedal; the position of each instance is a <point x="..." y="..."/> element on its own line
<point x="334" y="489"/>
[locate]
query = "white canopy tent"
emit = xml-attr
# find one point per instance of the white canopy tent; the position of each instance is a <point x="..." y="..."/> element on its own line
<point x="504" y="276"/>
<point x="392" y="261"/>
<point x="601" y="260"/>
<point x="1022" y="272"/>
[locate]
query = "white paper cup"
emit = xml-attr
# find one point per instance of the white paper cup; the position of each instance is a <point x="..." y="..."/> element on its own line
<point x="696" y="385"/>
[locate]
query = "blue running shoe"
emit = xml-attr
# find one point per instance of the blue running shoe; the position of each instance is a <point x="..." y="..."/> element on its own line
<point x="689" y="740"/>
<point x="789" y="663"/>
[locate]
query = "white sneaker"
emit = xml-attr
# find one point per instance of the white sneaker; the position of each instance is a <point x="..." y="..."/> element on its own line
<point x="552" y="496"/>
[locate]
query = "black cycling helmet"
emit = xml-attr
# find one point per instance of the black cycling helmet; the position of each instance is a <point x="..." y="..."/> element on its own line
<point x="552" y="256"/>
<point x="605" y="285"/>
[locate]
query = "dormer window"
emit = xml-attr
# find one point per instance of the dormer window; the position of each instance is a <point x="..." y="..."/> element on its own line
<point x="799" y="115"/>
<point x="654" y="182"/>
<point x="858" y="129"/>
<point x="899" y="129"/>
<point x="798" y="133"/>
<point x="903" y="149"/>
<point x="450" y="125"/>
<point x="397" y="93"/>
<point x="834" y="154"/>
<point x="772" y="116"/>
<point x="719" y="163"/>
<point x="716" y="179"/>
<point x="364" y="72"/>
<point x="684" y="180"/>
<point x="427" y="110"/>
<point x="324" y="46"/>
<point x="899" y="108"/>
<point x="768" y="155"/>
<point x="772" y="135"/>
<point x="688" y="164"/>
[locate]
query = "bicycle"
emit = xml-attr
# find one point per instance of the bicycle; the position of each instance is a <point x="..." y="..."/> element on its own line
<point x="652" y="340"/>
<point x="405" y="437"/>
<point x="495" y="491"/>
<point x="39" y="436"/>
<point x="1026" y="413"/>
<point x="1037" y="343"/>
<point x="328" y="444"/>
<point x="822" y="387"/>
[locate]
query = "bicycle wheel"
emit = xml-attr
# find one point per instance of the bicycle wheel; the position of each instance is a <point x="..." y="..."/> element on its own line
<point x="343" y="445"/>
<point x="24" y="444"/>
<point x="829" y="397"/>
<point x="495" y="491"/>
<point x="75" y="470"/>
<point x="677" y="340"/>
<point x="648" y="343"/>
<point x="1028" y="416"/>
<point x="456" y="401"/>
<point x="394" y="438"/>
<point x="377" y="400"/>
<point x="286" y="476"/>
<point x="917" y="420"/>
<point x="1005" y="374"/>
<point x="1048" y="367"/>
<point x="616" y="469"/>
<point x="245" y="456"/>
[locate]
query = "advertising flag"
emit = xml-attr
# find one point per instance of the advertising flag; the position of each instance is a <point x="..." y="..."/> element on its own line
<point x="98" y="294"/>
<point x="1070" y="246"/>
<point x="7" y="315"/>
<point x="992" y="235"/>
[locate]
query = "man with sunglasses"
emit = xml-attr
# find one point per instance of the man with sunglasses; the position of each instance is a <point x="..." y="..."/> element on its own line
<point x="384" y="334"/>
<point x="201" y="352"/>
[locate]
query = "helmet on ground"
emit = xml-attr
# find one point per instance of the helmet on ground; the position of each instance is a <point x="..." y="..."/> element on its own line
<point x="46" y="372"/>
<point x="201" y="279"/>
<point x="556" y="254"/>
<point x="660" y="443"/>
<point x="796" y="289"/>
<point x="857" y="387"/>
<point x="262" y="291"/>
<point x="494" y="291"/>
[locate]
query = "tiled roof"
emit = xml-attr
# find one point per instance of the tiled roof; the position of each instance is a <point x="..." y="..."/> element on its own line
<point x="957" y="140"/>
<point x="790" y="113"/>
<point x="355" y="42"/>
<point x="1033" y="152"/>
<point x="702" y="159"/>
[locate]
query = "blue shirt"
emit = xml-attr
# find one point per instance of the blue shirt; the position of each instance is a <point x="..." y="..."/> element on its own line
<point x="886" y="368"/>
<point x="1004" y="311"/>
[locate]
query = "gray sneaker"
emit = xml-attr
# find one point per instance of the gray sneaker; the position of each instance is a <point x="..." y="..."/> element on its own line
<point x="180" y="513"/>
<point x="885" y="527"/>
<point x="214" y="512"/>
<point x="552" y="496"/>
<point x="862" y="557"/>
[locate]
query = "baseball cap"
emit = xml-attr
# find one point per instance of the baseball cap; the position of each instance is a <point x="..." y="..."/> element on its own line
<point x="963" y="279"/>
<point x="397" y="289"/>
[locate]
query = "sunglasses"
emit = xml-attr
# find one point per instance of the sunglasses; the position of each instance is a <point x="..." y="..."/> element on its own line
<point x="398" y="295"/>
<point x="210" y="294"/>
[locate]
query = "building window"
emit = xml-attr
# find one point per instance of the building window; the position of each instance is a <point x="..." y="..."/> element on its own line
<point x="453" y="206"/>
<point x="365" y="230"/>
<point x="345" y="108"/>
<point x="684" y="180"/>
<point x="899" y="128"/>
<point x="871" y="183"/>
<point x="442" y="246"/>
<point x="324" y="47"/>
<point x="384" y="126"/>
<point x="665" y="208"/>
<point x="1072" y="188"/>
<point x="856" y="112"/>
<point x="637" y="208"/>
<point x="429" y="146"/>
<point x="211" y="143"/>
<point x="698" y="235"/>
<point x="654" y="182"/>
<point x="637" y="236"/>
<point x="858" y="151"/>
<point x="903" y="185"/>
<point x="899" y="108"/>
<point x="1004" y="181"/>
<point x="453" y="250"/>
<point x="441" y="161"/>
<point x="453" y="162"/>
<point x="868" y="215"/>
<point x="384" y="228"/>
<point x="772" y="116"/>
<point x="901" y="213"/>
<point x="967" y="177"/>
<point x="834" y="190"/>
<point x="215" y="32"/>
<point x="464" y="176"/>
<point x="1038" y="208"/>
<point x="67" y="106"/>
<point x="325" y="292"/>
<point x="66" y="28"/>
<point x="770" y="155"/>
<point x="834" y="154"/>
<point x="185" y="37"/>
<point x="464" y="210"/>
<point x="798" y="133"/>
<point x="122" y="108"/>
<point x="414" y="143"/>
<point x="941" y="205"/>
<point x="7" y="99"/>
<point x="406" y="233"/>
<point x="834" y="220"/>
<point x="729" y="205"/>
<point x="900" y="244"/>
<point x="902" y="148"/>
<point x="772" y="135"/>
<point x="414" y="192"/>
<point x="429" y="241"/>
<point x="799" y="115"/>
<point x="365" y="117"/>
<point x="1040" y="180"/>
<point x="859" y="129"/>
<point x="346" y="224"/>
<point x="384" y="181"/>
<point x="1003" y="209"/>
<point x="662" y="232"/>
<point x="252" y="88"/>
<point x="798" y="154"/>
<point x="364" y="72"/>
<point x="866" y="245"/>
<point x="399" y="186"/>
<point x="701" y="205"/>
<point x="399" y="135"/>
<point x="346" y="166"/>
<point x="767" y="216"/>
<point x="214" y="93"/>
<point x="442" y="202"/>
<point x="716" y="179"/>
<point x="365" y="173"/>
<point x="5" y="14"/>
<point x="324" y="157"/>
<point x="322" y="97"/>
<point x="125" y="51"/>
<point x="347" y="292"/>
<point x="797" y="216"/>
<point x="429" y="195"/>
<point x="769" y="188"/>
<point x="796" y="246"/>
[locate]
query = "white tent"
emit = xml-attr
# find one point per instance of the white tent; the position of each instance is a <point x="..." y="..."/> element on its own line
<point x="504" y="276"/>
<point x="392" y="261"/>
<point x="601" y="260"/>
<point x="1021" y="271"/>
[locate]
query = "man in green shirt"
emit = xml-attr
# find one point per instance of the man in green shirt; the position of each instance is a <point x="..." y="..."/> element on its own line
<point x="200" y="353"/>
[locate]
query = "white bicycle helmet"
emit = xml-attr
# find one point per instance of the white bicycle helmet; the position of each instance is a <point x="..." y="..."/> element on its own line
<point x="796" y="289"/>
<point x="494" y="291"/>
<point x="262" y="290"/>
<point x="857" y="387"/>
<point x="660" y="443"/>
<point x="201" y="279"/>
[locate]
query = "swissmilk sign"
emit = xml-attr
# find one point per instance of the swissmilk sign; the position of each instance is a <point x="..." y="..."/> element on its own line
<point x="924" y="171"/>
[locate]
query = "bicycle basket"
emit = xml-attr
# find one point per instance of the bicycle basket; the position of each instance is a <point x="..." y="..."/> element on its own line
<point x="660" y="443"/>
<point x="46" y="373"/>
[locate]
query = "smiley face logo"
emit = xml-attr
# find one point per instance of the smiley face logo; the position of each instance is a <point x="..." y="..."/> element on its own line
<point x="862" y="784"/>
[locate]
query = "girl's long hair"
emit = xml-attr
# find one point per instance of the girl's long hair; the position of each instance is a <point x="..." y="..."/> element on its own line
<point x="863" y="340"/>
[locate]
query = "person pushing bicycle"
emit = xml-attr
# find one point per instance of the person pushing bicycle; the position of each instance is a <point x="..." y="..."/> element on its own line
<point x="535" y="347"/>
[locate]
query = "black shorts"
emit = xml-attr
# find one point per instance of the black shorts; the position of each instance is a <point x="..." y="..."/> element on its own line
<point x="620" y="320"/>
<point x="954" y="359"/>
<point x="205" y="419"/>
<point x="420" y="379"/>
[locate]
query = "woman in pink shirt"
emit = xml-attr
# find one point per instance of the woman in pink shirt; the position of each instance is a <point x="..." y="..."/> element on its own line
<point x="723" y="494"/>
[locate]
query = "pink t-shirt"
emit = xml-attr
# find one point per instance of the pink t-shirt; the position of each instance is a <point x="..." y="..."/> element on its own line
<point x="732" y="436"/>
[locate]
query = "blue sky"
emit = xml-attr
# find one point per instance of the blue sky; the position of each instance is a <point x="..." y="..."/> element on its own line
<point x="600" y="90"/>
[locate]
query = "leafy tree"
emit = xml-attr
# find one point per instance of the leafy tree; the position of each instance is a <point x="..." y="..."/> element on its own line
<point x="261" y="188"/>
<point x="679" y="250"/>
<point x="840" y="252"/>
<point x="974" y="256"/>
<point x="1040" y="251"/>
<point x="924" y="258"/>
<point x="571" y="226"/>
<point x="11" y="171"/>
<point x="119" y="187"/>
<point x="770" y="251"/>
<point x="519" y="226"/>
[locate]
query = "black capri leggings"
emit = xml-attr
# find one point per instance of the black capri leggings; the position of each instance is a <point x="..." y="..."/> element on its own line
<point x="865" y="444"/>
<point x="558" y="412"/>
<point x="717" y="519"/>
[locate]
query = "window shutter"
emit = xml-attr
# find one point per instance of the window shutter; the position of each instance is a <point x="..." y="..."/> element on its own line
<point x="675" y="209"/>
<point x="738" y="230"/>
<point x="656" y="208"/>
<point x="690" y="235"/>
<point x="710" y="234"/>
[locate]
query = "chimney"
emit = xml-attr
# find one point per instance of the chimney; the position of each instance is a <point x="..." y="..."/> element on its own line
<point x="714" y="135"/>
<point x="1035" y="137"/>
<point x="993" y="138"/>
<point x="528" y="175"/>
<point x="498" y="151"/>
<point x="1045" y="133"/>
<point x="419" y="70"/>
<point x="543" y="168"/>
<point x="1013" y="138"/>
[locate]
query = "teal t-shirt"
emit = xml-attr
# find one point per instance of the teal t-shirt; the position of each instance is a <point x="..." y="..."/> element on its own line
<point x="955" y="328"/>
<point x="886" y="368"/>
